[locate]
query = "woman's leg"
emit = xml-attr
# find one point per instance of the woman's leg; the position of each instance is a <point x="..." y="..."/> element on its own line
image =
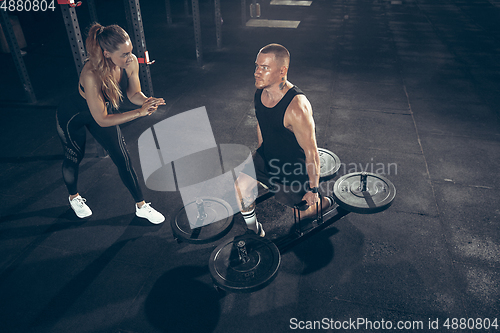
<point x="112" y="140"/>
<point x="73" y="138"/>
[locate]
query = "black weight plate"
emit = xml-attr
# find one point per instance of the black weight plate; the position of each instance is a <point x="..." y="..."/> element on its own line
<point x="379" y="194"/>
<point x="216" y="224"/>
<point x="230" y="273"/>
<point x="329" y="163"/>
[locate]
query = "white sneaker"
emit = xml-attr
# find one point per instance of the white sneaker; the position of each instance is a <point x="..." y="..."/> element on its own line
<point x="80" y="207"/>
<point x="148" y="212"/>
<point x="260" y="230"/>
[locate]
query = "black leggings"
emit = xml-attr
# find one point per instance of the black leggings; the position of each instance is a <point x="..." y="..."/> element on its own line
<point x="72" y="118"/>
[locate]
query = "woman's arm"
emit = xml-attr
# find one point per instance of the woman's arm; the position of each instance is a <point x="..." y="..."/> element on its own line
<point x="97" y="105"/>
<point x="134" y="93"/>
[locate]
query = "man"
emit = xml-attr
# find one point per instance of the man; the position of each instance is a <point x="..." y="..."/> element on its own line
<point x="287" y="159"/>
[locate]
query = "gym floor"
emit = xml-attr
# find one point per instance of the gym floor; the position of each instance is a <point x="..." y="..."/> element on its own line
<point x="410" y="86"/>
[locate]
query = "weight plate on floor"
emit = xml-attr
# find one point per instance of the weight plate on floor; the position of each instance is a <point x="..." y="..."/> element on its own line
<point x="214" y="225"/>
<point x="247" y="263"/>
<point x="329" y="163"/>
<point x="378" y="195"/>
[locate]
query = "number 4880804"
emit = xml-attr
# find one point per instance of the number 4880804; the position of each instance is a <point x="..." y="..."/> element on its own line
<point x="471" y="323"/>
<point x="27" y="5"/>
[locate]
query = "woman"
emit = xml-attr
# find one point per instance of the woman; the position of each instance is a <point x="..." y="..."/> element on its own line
<point x="110" y="76"/>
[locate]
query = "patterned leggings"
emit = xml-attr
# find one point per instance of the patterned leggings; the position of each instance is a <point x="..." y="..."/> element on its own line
<point x="71" y="129"/>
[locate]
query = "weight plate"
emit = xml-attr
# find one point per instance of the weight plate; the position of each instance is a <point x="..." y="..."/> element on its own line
<point x="257" y="269"/>
<point x="329" y="163"/>
<point x="349" y="194"/>
<point x="213" y="226"/>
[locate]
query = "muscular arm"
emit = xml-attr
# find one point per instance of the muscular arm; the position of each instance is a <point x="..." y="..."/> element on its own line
<point x="299" y="119"/>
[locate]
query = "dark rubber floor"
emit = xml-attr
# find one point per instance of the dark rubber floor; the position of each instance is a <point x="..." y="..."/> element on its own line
<point x="410" y="89"/>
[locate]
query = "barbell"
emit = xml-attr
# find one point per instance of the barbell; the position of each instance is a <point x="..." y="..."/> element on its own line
<point x="248" y="263"/>
<point x="218" y="218"/>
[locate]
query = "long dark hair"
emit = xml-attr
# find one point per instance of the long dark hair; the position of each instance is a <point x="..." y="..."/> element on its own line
<point x="102" y="39"/>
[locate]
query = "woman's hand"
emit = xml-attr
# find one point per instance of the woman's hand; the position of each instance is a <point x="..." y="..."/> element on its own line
<point x="150" y="105"/>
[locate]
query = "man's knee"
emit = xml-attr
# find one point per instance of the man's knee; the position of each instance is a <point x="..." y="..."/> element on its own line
<point x="245" y="187"/>
<point x="245" y="183"/>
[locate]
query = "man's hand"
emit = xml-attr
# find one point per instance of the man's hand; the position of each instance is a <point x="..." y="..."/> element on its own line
<point x="311" y="198"/>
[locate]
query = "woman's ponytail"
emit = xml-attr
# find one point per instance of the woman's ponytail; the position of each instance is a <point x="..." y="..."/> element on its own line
<point x="99" y="39"/>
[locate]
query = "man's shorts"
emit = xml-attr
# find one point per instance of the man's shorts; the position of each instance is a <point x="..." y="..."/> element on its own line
<point x="289" y="194"/>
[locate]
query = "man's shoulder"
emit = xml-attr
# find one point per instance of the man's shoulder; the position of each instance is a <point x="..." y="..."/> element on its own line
<point x="300" y="102"/>
<point x="299" y="110"/>
<point x="297" y="90"/>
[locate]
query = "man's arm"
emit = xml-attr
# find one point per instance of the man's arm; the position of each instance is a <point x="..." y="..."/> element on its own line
<point x="299" y="119"/>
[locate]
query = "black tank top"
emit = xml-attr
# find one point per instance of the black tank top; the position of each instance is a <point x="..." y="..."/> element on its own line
<point x="284" y="157"/>
<point x="125" y="102"/>
<point x="75" y="108"/>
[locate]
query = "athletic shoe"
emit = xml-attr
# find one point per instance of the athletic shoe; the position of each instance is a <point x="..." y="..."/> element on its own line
<point x="148" y="212"/>
<point x="260" y="230"/>
<point x="80" y="207"/>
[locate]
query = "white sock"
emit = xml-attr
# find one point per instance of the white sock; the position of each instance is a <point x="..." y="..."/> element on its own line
<point x="250" y="219"/>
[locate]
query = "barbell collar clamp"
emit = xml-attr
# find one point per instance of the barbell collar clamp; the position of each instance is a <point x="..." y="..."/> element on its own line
<point x="201" y="209"/>
<point x="363" y="181"/>
<point x="242" y="251"/>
